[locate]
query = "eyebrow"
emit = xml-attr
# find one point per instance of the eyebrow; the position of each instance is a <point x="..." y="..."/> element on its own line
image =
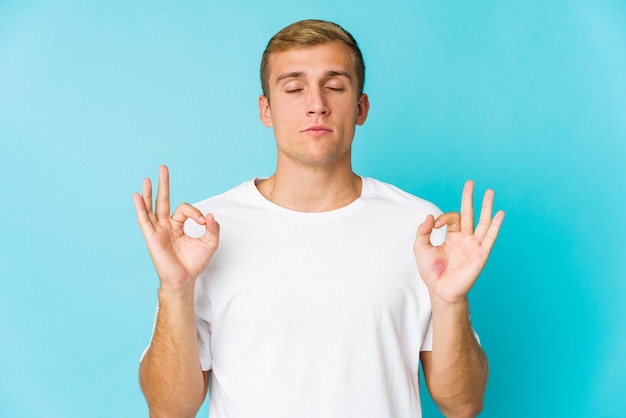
<point x="295" y="74"/>
<point x="339" y="74"/>
<point x="300" y="74"/>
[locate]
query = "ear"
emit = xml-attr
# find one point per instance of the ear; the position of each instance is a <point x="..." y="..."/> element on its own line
<point x="363" y="108"/>
<point x="264" y="111"/>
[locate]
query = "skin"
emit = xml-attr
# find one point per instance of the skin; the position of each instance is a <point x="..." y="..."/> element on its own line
<point x="456" y="369"/>
<point x="314" y="108"/>
<point x="313" y="88"/>
<point x="170" y="373"/>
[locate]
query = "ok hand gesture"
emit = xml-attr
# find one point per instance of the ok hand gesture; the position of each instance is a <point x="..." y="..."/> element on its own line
<point x="451" y="269"/>
<point x="177" y="257"/>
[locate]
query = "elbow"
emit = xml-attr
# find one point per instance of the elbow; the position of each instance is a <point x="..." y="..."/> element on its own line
<point x="167" y="399"/>
<point x="468" y="409"/>
<point x="467" y="404"/>
<point x="180" y="408"/>
<point x="158" y="413"/>
<point x="172" y="407"/>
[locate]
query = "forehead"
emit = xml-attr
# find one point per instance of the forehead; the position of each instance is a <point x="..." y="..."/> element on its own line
<point x="331" y="56"/>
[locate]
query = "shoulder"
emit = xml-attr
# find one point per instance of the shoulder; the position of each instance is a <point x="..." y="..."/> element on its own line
<point x="236" y="196"/>
<point x="392" y="196"/>
<point x="401" y="210"/>
<point x="223" y="206"/>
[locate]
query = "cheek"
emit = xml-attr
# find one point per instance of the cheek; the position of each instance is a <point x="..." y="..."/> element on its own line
<point x="284" y="111"/>
<point x="283" y="120"/>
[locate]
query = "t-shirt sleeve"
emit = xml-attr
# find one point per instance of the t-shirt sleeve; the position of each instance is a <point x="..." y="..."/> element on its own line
<point x="437" y="237"/>
<point x="156" y="314"/>
<point x="427" y="342"/>
<point x="203" y="329"/>
<point x="204" y="344"/>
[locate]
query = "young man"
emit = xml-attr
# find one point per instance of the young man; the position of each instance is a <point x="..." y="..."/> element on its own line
<point x="319" y="292"/>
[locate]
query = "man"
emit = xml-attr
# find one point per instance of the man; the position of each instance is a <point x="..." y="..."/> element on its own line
<point x="319" y="292"/>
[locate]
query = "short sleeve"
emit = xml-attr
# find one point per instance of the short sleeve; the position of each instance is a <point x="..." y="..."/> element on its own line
<point x="427" y="342"/>
<point x="204" y="343"/>
<point x="156" y="314"/>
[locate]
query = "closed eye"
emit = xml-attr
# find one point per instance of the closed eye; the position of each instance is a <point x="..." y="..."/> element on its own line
<point x="335" y="85"/>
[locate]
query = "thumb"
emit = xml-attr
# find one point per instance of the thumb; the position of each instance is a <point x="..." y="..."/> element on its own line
<point x="422" y="238"/>
<point x="212" y="229"/>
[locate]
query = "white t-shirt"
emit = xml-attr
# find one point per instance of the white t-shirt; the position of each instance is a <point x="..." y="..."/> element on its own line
<point x="314" y="314"/>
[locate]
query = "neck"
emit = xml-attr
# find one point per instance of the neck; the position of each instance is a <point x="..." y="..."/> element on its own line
<point x="314" y="189"/>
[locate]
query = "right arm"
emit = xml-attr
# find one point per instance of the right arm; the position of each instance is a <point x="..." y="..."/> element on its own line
<point x="170" y="373"/>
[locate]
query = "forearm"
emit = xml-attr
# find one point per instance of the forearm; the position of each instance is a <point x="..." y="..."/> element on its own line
<point x="459" y="368"/>
<point x="170" y="373"/>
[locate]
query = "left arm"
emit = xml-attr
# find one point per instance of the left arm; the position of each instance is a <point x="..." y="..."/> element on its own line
<point x="456" y="369"/>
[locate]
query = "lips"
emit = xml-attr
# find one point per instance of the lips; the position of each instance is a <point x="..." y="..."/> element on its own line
<point x="317" y="130"/>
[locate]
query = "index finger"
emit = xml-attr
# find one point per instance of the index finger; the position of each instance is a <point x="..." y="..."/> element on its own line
<point x="467" y="208"/>
<point x="162" y="209"/>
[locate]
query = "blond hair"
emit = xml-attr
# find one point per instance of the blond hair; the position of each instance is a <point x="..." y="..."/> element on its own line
<point x="308" y="33"/>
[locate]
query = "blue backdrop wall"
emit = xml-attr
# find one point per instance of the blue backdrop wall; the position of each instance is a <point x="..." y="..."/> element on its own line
<point x="526" y="97"/>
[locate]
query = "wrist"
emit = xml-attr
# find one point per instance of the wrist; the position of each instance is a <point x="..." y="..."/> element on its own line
<point x="169" y="294"/>
<point x="456" y="306"/>
<point x="452" y="319"/>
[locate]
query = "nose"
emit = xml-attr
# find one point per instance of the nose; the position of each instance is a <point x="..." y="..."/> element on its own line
<point x="317" y="103"/>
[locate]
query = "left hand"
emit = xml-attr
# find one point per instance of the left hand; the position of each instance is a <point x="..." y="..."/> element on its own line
<point x="451" y="269"/>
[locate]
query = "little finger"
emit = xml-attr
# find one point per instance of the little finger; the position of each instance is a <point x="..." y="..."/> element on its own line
<point x="145" y="224"/>
<point x="146" y="194"/>
<point x="492" y="232"/>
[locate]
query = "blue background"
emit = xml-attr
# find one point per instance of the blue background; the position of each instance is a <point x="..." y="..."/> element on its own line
<point x="527" y="97"/>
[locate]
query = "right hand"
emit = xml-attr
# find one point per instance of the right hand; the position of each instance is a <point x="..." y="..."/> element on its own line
<point x="178" y="258"/>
